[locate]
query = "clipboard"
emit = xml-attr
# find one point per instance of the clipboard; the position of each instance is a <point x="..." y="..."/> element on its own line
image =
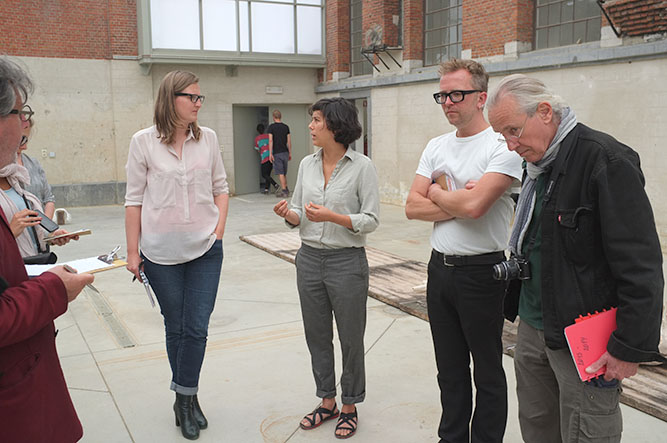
<point x="116" y="264"/>
<point x="587" y="339"/>
<point x="90" y="265"/>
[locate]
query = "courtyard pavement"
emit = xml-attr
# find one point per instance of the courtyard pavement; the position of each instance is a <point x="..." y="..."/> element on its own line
<point x="256" y="381"/>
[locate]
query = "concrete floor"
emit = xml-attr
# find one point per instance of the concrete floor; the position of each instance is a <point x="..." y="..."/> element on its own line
<point x="256" y="382"/>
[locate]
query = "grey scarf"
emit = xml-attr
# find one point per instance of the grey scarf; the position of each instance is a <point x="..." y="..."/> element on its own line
<point x="526" y="204"/>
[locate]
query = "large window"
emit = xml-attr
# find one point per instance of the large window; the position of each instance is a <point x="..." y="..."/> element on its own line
<point x="566" y="22"/>
<point x="358" y="63"/>
<point x="251" y="26"/>
<point x="442" y="30"/>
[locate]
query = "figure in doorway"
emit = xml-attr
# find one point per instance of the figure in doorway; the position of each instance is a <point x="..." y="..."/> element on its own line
<point x="262" y="146"/>
<point x="280" y="150"/>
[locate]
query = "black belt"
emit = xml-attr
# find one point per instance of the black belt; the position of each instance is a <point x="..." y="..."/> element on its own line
<point x="490" y="258"/>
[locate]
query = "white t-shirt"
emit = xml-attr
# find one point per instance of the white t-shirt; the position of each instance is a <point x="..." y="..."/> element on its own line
<point x="464" y="159"/>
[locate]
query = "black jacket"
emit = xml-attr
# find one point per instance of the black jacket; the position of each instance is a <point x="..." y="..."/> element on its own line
<point x="600" y="248"/>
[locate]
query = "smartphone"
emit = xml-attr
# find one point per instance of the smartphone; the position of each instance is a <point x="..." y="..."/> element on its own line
<point x="46" y="222"/>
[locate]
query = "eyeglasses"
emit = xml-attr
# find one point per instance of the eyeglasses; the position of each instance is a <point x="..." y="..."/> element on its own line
<point x="193" y="97"/>
<point x="25" y="113"/>
<point x="454" y="96"/>
<point x="513" y="134"/>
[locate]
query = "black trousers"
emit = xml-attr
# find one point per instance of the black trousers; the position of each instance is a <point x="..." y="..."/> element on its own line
<point x="266" y="175"/>
<point x="466" y="317"/>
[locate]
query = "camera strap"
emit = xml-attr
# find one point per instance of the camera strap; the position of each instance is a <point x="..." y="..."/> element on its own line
<point x="551" y="185"/>
<point x="34" y="231"/>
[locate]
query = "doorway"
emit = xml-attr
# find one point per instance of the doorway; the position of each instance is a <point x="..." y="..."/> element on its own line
<point x="246" y="160"/>
<point x="362" y="101"/>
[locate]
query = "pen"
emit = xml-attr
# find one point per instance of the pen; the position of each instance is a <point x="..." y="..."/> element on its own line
<point x="147" y="285"/>
<point x="70" y="269"/>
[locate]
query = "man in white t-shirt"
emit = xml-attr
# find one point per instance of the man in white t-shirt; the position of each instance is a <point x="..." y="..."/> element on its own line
<point x="463" y="185"/>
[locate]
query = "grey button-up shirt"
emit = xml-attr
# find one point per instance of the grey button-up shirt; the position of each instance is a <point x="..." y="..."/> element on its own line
<point x="38" y="183"/>
<point x="352" y="190"/>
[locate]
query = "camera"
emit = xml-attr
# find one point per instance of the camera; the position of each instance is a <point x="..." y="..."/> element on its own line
<point x="512" y="269"/>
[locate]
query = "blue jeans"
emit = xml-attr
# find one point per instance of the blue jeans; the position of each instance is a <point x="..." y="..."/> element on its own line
<point x="186" y="293"/>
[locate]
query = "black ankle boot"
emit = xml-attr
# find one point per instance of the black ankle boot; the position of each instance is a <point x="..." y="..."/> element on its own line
<point x="184" y="417"/>
<point x="198" y="414"/>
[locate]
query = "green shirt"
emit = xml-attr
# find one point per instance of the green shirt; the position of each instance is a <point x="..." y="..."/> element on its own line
<point x="530" y="301"/>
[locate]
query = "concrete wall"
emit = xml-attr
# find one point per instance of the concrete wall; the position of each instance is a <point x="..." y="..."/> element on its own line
<point x="87" y="110"/>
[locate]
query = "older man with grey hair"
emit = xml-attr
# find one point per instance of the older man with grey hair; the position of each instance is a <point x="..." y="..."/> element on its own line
<point x="35" y="405"/>
<point x="584" y="239"/>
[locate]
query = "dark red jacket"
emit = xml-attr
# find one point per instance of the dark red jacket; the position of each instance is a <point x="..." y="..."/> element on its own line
<point x="35" y="405"/>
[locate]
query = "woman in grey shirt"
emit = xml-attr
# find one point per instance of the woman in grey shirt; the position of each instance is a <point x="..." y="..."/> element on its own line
<point x="38" y="183"/>
<point x="335" y="204"/>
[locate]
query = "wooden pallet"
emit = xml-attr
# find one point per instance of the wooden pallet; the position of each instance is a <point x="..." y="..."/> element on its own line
<point x="399" y="282"/>
<point x="391" y="278"/>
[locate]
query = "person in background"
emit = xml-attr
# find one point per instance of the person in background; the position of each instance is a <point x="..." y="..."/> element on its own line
<point x="39" y="185"/>
<point x="175" y="213"/>
<point x="262" y="146"/>
<point x="19" y="207"/>
<point x="331" y="265"/>
<point x="471" y="211"/>
<point x="586" y="239"/>
<point x="35" y="405"/>
<point x="280" y="150"/>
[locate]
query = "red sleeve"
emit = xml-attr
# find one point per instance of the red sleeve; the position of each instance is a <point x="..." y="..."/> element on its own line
<point x="29" y="306"/>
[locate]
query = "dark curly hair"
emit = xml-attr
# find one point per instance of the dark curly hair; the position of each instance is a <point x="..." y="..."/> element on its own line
<point x="341" y="118"/>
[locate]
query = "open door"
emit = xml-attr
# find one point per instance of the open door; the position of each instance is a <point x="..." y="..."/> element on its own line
<point x="362" y="101"/>
<point x="246" y="160"/>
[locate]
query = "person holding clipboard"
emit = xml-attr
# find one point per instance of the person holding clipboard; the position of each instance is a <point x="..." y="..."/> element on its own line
<point x="175" y="212"/>
<point x="35" y="405"/>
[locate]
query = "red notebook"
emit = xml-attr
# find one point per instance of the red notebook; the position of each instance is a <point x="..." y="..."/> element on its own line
<point x="588" y="338"/>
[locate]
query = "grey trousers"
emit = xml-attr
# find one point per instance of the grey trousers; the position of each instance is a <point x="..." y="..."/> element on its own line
<point x="554" y="404"/>
<point x="334" y="282"/>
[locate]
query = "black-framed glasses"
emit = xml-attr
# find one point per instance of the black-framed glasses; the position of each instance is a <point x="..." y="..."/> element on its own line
<point x="454" y="96"/>
<point x="25" y="113"/>
<point x="193" y="97"/>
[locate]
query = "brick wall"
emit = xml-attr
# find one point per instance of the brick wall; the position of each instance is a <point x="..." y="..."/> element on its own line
<point x="413" y="29"/>
<point x="338" y="36"/>
<point x="489" y="24"/>
<point x="123" y="26"/>
<point x="68" y="28"/>
<point x="378" y="15"/>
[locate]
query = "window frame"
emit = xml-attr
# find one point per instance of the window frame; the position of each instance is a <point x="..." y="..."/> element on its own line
<point x="366" y="66"/>
<point x="459" y="35"/>
<point x="149" y="55"/>
<point x="559" y="25"/>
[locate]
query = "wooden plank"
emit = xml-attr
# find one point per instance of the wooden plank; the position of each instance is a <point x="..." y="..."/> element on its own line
<point x="392" y="279"/>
